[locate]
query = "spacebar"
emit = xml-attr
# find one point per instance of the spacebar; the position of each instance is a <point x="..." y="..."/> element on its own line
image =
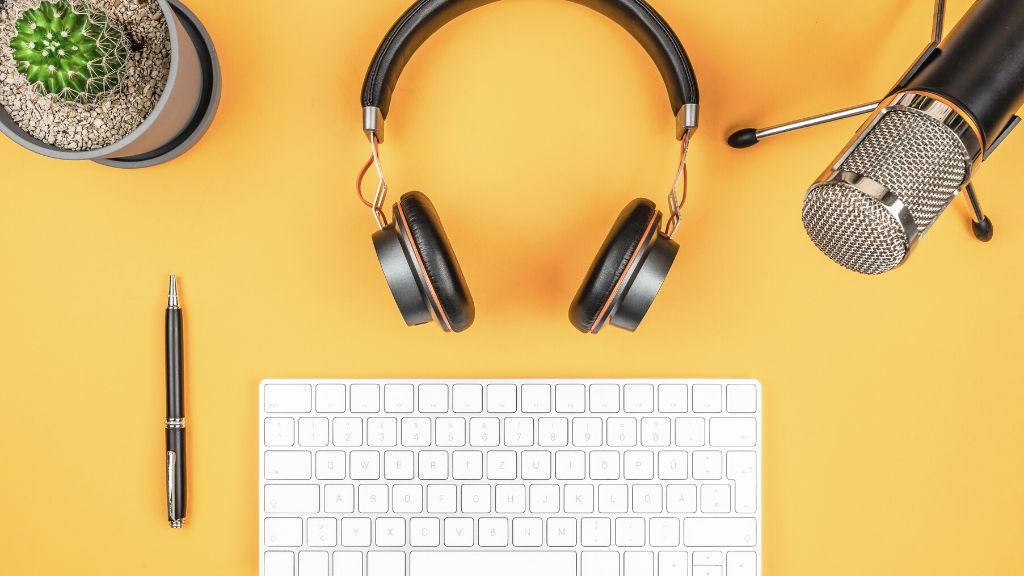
<point x="523" y="563"/>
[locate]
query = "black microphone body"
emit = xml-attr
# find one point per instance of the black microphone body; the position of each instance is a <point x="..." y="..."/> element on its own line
<point x="923" y="143"/>
<point x="980" y="66"/>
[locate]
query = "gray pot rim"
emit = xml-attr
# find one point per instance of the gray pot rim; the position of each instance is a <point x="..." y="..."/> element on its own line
<point x="19" y="135"/>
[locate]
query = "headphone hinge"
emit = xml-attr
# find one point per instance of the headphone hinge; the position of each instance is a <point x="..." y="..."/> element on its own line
<point x="687" y="120"/>
<point x="373" y="122"/>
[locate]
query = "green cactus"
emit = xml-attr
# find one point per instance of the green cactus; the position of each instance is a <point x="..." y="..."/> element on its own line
<point x="69" y="49"/>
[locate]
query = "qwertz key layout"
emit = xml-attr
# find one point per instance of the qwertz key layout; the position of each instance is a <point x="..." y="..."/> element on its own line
<point x="510" y="478"/>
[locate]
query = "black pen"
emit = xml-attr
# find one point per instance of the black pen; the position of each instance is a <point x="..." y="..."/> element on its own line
<point x="175" y="422"/>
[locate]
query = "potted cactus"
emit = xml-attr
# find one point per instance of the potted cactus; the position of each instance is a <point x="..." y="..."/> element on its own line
<point x="126" y="83"/>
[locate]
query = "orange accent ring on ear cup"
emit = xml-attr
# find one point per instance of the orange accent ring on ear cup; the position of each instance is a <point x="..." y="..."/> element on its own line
<point x="423" y="268"/>
<point x="622" y="278"/>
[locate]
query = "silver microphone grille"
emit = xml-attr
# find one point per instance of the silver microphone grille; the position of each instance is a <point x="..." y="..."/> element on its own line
<point x="922" y="164"/>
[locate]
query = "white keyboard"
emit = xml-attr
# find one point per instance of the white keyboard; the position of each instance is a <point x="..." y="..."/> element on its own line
<point x="510" y="478"/>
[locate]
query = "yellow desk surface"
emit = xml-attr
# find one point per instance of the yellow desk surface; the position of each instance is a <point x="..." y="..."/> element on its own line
<point x="893" y="423"/>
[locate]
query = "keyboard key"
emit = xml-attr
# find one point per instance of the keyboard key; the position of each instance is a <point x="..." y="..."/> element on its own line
<point x="385" y="564"/>
<point x="441" y="499"/>
<point x="330" y="397"/>
<point x="286" y="465"/>
<point x="348" y="432"/>
<point x="476" y="498"/>
<point x="398" y="398"/>
<point x="450" y="432"/>
<point x="655" y="431"/>
<point x="570" y="398"/>
<point x="741" y="398"/>
<point x="510" y="499"/>
<point x="536" y="398"/>
<point x="279" y="432"/>
<point x="596" y="532"/>
<point x="672" y="398"/>
<point x="365" y="398"/>
<point x="630" y="532"/>
<point x="390" y="532"/>
<point x="587" y="432"/>
<point x="579" y="498"/>
<point x="741" y="468"/>
<point x="330" y="465"/>
<point x="604" y="398"/>
<point x="398" y="465"/>
<point x="313" y="563"/>
<point x="707" y="465"/>
<point x="733" y="432"/>
<point x="536" y="465"/>
<point x="672" y="465"/>
<point x="321" y="532"/>
<point x="501" y="465"/>
<point x="638" y="398"/>
<point x="553" y="432"/>
<point x="407" y="499"/>
<point x="707" y="558"/>
<point x="467" y="398"/>
<point x="544" y="498"/>
<point x="364" y="465"/>
<point x="416" y="432"/>
<point x="501" y="398"/>
<point x="599" y="564"/>
<point x="467" y="465"/>
<point x="638" y="564"/>
<point x="458" y="532"/>
<point x="672" y="564"/>
<point x="647" y="498"/>
<point x="681" y="498"/>
<point x="373" y="498"/>
<point x="719" y="532"/>
<point x="622" y="432"/>
<point x="483" y="432"/>
<point x="287" y="398"/>
<point x="715" y="498"/>
<point x="638" y="465"/>
<point x="519" y="432"/>
<point x="741" y="563"/>
<point x="313" y="432"/>
<point x="527" y="532"/>
<point x="689" y="432"/>
<point x="424" y="532"/>
<point x="291" y="499"/>
<point x="497" y="563"/>
<point x="493" y="532"/>
<point x="570" y="465"/>
<point x="707" y="398"/>
<point x="282" y="532"/>
<point x="562" y="532"/>
<point x="433" y="465"/>
<point x="612" y="498"/>
<point x="664" y="532"/>
<point x="433" y="398"/>
<point x="604" y="465"/>
<point x="348" y="564"/>
<point x="279" y="563"/>
<point x="339" y="498"/>
<point x="381" y="432"/>
<point x="355" y="532"/>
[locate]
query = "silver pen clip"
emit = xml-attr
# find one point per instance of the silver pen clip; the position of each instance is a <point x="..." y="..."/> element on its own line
<point x="172" y="493"/>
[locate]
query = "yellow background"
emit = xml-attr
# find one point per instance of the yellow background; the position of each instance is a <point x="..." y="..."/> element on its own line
<point x="893" y="421"/>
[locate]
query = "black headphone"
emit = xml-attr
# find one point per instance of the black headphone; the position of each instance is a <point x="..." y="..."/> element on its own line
<point x="418" y="261"/>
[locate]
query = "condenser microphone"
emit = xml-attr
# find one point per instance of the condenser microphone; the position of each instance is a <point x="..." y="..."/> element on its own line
<point x="923" y="143"/>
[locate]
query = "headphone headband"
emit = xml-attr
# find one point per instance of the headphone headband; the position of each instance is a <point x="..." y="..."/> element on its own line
<point x="428" y="16"/>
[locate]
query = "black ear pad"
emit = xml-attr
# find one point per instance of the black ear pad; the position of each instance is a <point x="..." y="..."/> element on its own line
<point x="635" y="258"/>
<point x="432" y="255"/>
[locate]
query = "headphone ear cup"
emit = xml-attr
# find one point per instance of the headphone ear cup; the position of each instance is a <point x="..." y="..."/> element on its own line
<point x="627" y="272"/>
<point x="421" y="268"/>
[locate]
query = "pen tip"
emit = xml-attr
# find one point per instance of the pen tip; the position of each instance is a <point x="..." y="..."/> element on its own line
<point x="172" y="293"/>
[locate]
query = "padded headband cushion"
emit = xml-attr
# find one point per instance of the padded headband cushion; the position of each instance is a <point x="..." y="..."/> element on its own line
<point x="637" y="222"/>
<point x="428" y="16"/>
<point x="440" y="266"/>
